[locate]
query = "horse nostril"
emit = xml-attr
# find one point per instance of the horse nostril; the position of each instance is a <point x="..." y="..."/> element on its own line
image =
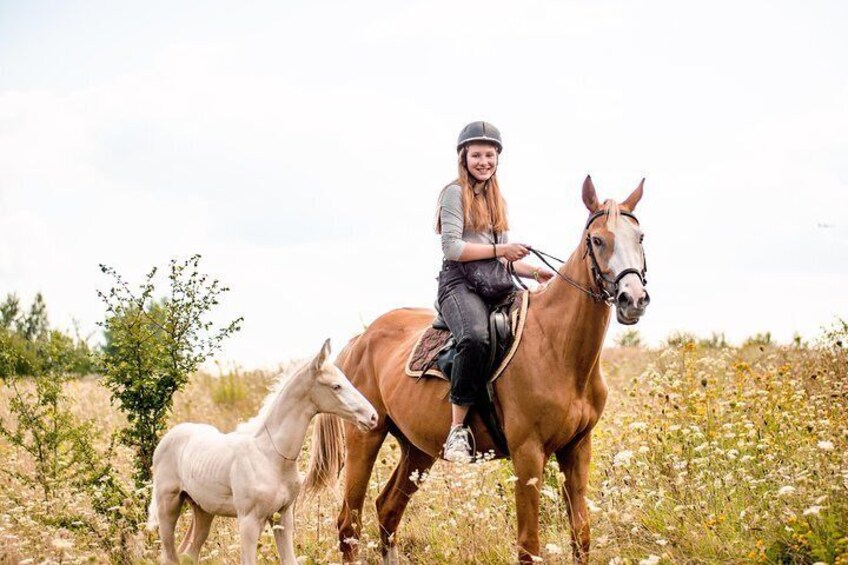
<point x="624" y="299"/>
<point x="645" y="300"/>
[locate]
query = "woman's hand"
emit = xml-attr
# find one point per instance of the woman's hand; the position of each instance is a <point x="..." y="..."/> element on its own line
<point x="543" y="274"/>
<point x="512" y="251"/>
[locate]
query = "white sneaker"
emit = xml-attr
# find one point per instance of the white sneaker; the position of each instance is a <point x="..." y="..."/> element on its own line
<point x="458" y="445"/>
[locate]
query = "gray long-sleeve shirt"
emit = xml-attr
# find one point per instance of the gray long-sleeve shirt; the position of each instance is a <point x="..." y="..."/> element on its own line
<point x="454" y="234"/>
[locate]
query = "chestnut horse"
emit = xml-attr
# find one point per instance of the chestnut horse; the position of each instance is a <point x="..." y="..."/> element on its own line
<point x="551" y="395"/>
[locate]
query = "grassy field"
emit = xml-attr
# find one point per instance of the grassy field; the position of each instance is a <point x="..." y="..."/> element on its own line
<point x="704" y="454"/>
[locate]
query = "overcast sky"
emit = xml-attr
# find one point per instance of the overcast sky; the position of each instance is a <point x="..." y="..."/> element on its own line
<point x="300" y="147"/>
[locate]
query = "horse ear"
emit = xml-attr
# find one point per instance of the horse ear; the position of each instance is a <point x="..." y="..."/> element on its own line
<point x="590" y="197"/>
<point x="634" y="197"/>
<point x="322" y="356"/>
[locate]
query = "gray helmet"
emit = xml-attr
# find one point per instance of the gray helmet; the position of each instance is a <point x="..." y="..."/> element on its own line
<point x="479" y="131"/>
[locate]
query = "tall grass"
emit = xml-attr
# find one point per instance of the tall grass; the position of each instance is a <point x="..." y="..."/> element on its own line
<point x="705" y="454"/>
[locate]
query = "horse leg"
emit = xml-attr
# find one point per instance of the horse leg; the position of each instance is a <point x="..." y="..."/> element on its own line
<point x="250" y="528"/>
<point x="574" y="463"/>
<point x="201" y="524"/>
<point x="362" y="450"/>
<point x="168" y="510"/>
<point x="529" y="461"/>
<point x="395" y="496"/>
<point x="284" y="536"/>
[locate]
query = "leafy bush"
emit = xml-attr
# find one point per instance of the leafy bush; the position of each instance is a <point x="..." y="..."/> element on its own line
<point x="629" y="338"/>
<point x="153" y="346"/>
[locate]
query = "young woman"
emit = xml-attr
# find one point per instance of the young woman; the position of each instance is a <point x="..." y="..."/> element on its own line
<point x="473" y="225"/>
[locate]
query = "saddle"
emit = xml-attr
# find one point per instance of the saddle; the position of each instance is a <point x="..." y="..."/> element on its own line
<point x="435" y="349"/>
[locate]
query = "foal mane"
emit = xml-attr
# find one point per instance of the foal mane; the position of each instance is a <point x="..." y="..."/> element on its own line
<point x="287" y="375"/>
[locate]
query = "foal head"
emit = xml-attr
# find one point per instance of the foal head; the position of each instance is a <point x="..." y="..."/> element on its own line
<point x="332" y="392"/>
<point x="615" y="254"/>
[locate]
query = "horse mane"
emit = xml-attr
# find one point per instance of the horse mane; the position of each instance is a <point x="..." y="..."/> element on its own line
<point x="613" y="214"/>
<point x="287" y="375"/>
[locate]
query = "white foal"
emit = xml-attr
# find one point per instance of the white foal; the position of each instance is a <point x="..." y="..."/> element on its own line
<point x="250" y="473"/>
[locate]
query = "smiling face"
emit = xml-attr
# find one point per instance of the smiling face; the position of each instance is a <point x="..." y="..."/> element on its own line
<point x="481" y="159"/>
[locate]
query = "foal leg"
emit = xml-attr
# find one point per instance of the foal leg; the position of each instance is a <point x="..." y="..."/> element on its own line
<point x="250" y="528"/>
<point x="529" y="461"/>
<point x="168" y="506"/>
<point x="188" y="536"/>
<point x="201" y="524"/>
<point x="285" y="537"/>
<point x="574" y="463"/>
<point x="395" y="496"/>
<point x="362" y="450"/>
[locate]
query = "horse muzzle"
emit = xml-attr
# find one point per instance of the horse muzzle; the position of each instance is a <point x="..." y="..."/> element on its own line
<point x="367" y="422"/>
<point x="629" y="309"/>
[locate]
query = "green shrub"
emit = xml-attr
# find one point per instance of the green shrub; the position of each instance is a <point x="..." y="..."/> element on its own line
<point x="153" y="346"/>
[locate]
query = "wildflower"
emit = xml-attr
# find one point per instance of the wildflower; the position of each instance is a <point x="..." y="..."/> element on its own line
<point x="532" y="482"/>
<point x="593" y="508"/>
<point x="826" y="445"/>
<point x="553" y="549"/>
<point x="622" y="458"/>
<point x="637" y="426"/>
<point x="787" y="490"/>
<point x="813" y="510"/>
<point x="60" y="543"/>
<point x="650" y="560"/>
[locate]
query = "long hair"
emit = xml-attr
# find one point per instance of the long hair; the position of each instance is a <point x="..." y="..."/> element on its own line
<point x="482" y="210"/>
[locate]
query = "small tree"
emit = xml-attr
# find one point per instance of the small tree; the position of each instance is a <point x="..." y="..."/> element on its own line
<point x="629" y="338"/>
<point x="43" y="427"/>
<point x="153" y="347"/>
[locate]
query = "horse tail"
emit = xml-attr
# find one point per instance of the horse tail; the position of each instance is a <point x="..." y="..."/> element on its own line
<point x="153" y="510"/>
<point x="327" y="452"/>
<point x="327" y="457"/>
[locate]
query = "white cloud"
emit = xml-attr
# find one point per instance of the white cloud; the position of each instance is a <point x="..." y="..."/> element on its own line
<point x="301" y="148"/>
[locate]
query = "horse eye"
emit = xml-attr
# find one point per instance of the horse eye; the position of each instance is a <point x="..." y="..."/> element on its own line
<point x="641" y="238"/>
<point x="597" y="241"/>
<point x="337" y="387"/>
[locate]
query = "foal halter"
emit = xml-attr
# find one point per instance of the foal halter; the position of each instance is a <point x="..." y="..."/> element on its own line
<point x="602" y="281"/>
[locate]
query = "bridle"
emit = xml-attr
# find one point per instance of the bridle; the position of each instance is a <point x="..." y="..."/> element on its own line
<point x="602" y="281"/>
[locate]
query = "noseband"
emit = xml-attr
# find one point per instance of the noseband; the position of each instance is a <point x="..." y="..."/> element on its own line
<point x="602" y="281"/>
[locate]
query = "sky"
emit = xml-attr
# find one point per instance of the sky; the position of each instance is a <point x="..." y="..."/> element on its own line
<point x="300" y="148"/>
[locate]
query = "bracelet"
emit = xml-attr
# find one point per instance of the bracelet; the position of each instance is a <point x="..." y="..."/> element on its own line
<point x="495" y="250"/>
<point x="536" y="275"/>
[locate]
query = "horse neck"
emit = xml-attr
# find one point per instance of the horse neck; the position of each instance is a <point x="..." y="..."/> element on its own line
<point x="571" y="320"/>
<point x="289" y="417"/>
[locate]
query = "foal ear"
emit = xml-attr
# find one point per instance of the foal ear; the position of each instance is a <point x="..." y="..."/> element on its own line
<point x="322" y="356"/>
<point x="634" y="197"/>
<point x="590" y="197"/>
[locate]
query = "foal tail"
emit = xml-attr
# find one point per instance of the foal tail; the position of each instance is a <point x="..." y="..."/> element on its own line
<point x="327" y="458"/>
<point x="153" y="511"/>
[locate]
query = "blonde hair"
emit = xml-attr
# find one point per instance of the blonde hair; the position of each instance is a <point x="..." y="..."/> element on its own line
<point x="483" y="211"/>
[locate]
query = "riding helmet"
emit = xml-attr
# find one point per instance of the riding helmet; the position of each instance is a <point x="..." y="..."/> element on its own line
<point x="479" y="131"/>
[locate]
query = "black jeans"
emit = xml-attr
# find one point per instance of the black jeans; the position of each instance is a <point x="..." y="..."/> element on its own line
<point x="467" y="316"/>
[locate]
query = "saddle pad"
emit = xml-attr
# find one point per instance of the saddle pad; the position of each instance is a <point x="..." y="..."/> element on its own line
<point x="431" y="341"/>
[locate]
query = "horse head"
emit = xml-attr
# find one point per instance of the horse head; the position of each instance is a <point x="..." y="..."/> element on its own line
<point x="614" y="253"/>
<point x="333" y="393"/>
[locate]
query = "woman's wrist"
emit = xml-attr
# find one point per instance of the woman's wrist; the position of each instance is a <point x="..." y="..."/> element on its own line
<point x="495" y="250"/>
